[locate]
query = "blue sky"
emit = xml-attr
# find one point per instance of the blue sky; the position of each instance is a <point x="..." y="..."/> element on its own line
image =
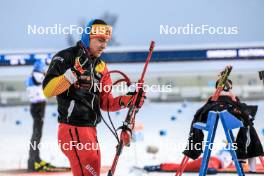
<point x="138" y="20"/>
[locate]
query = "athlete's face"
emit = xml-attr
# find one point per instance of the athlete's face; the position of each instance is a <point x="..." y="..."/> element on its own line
<point x="97" y="46"/>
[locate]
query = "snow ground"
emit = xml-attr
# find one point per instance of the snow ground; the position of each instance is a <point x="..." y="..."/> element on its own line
<point x="16" y="127"/>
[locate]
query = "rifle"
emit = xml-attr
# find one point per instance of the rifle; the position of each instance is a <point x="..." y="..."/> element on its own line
<point x="129" y="123"/>
<point x="220" y="86"/>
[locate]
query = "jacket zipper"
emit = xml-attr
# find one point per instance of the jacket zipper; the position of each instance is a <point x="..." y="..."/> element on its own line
<point x="70" y="109"/>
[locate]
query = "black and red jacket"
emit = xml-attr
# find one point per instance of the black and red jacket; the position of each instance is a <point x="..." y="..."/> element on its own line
<point x="76" y="106"/>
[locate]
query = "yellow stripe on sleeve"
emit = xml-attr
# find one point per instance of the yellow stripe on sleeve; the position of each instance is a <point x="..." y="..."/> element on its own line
<point x="56" y="86"/>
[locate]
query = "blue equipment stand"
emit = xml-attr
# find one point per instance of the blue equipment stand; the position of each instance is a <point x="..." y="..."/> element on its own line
<point x="229" y="122"/>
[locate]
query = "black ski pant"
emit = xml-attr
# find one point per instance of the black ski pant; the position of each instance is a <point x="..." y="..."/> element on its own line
<point x="37" y="111"/>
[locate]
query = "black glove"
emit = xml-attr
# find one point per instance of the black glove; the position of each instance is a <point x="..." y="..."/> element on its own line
<point x="127" y="100"/>
<point x="82" y="71"/>
<point x="80" y="66"/>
